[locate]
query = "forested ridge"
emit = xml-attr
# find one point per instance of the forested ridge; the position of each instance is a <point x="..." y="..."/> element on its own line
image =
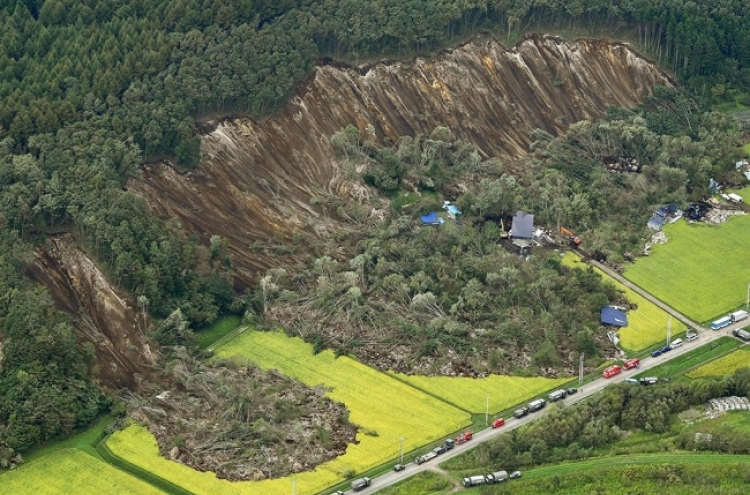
<point x="90" y="89"/>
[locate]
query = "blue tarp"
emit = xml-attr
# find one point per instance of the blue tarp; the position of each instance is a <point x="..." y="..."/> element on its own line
<point x="612" y="316"/>
<point x="431" y="219"/>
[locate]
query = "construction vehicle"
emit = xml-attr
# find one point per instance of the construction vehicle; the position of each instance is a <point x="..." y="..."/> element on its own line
<point x="474" y="481"/>
<point x="464" y="437"/>
<point x="574" y="239"/>
<point x="497" y="477"/>
<point x="557" y="395"/>
<point x="536" y="405"/>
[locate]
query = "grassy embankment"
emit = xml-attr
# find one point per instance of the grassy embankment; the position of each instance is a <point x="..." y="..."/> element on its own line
<point x="702" y="271"/>
<point x="646" y="325"/>
<point x="694" y="358"/>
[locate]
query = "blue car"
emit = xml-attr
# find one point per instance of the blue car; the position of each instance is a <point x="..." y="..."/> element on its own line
<point x="666" y="348"/>
<point x="656" y="354"/>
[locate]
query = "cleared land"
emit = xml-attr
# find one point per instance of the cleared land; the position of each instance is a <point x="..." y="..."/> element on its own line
<point x="385" y="409"/>
<point x="702" y="271"/>
<point x="472" y="393"/>
<point x="647" y="325"/>
<point x="71" y="471"/>
<point x="724" y="365"/>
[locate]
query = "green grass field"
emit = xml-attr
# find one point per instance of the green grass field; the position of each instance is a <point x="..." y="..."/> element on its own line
<point x="384" y="408"/>
<point x="746" y="149"/>
<point x="694" y="358"/>
<point x="71" y="471"/>
<point x="725" y="365"/>
<point x="472" y="394"/>
<point x="702" y="271"/>
<point x="647" y="325"/>
<point x="219" y="329"/>
<point x="425" y="483"/>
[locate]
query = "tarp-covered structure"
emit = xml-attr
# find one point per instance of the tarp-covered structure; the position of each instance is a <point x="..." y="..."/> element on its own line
<point x="523" y="225"/>
<point x="612" y="316"/>
<point x="432" y="218"/>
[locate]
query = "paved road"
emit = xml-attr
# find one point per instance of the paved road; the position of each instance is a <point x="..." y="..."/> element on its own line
<point x="705" y="336"/>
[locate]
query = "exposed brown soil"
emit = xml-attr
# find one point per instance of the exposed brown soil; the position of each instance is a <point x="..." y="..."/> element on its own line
<point x="241" y="423"/>
<point x="99" y="313"/>
<point x="259" y="181"/>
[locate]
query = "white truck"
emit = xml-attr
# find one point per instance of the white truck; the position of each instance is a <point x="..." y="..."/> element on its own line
<point x="360" y="484"/>
<point x="419" y="459"/>
<point x="497" y="477"/>
<point x="738" y="316"/>
<point x="474" y="481"/>
<point x="557" y="395"/>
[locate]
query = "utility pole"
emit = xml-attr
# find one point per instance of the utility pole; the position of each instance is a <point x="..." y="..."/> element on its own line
<point x="294" y="486"/>
<point x="580" y="371"/>
<point x="487" y="411"/>
<point x="669" y="329"/>
<point x="401" y="452"/>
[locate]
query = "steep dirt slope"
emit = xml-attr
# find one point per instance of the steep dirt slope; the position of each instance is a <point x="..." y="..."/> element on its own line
<point x="102" y="316"/>
<point x="257" y="178"/>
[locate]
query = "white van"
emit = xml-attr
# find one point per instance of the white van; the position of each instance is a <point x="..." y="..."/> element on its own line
<point x="676" y="343"/>
<point x="691" y="337"/>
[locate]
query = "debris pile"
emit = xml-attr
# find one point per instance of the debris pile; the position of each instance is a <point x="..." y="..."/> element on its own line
<point x="718" y="215"/>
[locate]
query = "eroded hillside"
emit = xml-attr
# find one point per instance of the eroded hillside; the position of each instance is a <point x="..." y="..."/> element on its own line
<point x="257" y="179"/>
<point x="100" y="314"/>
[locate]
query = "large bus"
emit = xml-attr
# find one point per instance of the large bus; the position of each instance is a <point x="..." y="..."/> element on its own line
<point x="721" y="323"/>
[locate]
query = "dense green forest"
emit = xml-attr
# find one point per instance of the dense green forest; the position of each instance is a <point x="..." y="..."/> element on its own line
<point x="90" y="89"/>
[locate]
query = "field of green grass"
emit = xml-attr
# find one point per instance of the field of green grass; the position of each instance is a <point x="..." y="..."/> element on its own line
<point x="472" y="394"/>
<point x="425" y="483"/>
<point x="725" y="365"/>
<point x="647" y="325"/>
<point x="71" y="471"/>
<point x="702" y="271"/>
<point x="219" y="329"/>
<point x="693" y="358"/>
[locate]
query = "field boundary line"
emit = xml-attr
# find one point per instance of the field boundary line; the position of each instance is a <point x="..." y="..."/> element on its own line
<point x="131" y="469"/>
<point x="227" y="338"/>
<point x="434" y="396"/>
<point x="627" y="283"/>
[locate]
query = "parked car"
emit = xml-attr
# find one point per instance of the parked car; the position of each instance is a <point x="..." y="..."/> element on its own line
<point x="572" y="390"/>
<point x="498" y="422"/>
<point x="632" y="381"/>
<point x="339" y="492"/>
<point x="666" y="348"/>
<point x="515" y="474"/>
<point x="656" y="353"/>
<point x="399" y="467"/>
<point x="691" y="337"/>
<point x="675" y="343"/>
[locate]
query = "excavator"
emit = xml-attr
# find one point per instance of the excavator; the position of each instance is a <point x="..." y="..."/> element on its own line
<point x="574" y="239"/>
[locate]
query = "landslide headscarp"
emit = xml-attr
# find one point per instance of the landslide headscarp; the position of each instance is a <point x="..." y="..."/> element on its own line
<point x="256" y="179"/>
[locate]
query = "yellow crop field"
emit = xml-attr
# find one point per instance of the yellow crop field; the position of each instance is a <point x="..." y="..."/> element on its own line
<point x="725" y="365"/>
<point x="647" y="325"/>
<point x="472" y="393"/>
<point x="386" y="409"/>
<point x="71" y="471"/>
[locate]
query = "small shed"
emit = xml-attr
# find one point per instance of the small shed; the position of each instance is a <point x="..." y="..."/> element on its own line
<point x="523" y="225"/>
<point x="612" y="316"/>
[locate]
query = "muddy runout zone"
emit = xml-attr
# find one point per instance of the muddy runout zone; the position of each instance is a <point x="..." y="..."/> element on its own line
<point x="241" y="423"/>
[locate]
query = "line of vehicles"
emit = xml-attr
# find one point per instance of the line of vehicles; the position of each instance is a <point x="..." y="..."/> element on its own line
<point x="442" y="449"/>
<point x="729" y="319"/>
<point x="490" y="479"/>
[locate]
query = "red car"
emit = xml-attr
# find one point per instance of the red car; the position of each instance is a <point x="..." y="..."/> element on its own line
<point x="498" y="422"/>
<point x="631" y="363"/>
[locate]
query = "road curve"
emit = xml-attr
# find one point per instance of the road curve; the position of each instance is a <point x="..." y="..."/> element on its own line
<point x="705" y="336"/>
